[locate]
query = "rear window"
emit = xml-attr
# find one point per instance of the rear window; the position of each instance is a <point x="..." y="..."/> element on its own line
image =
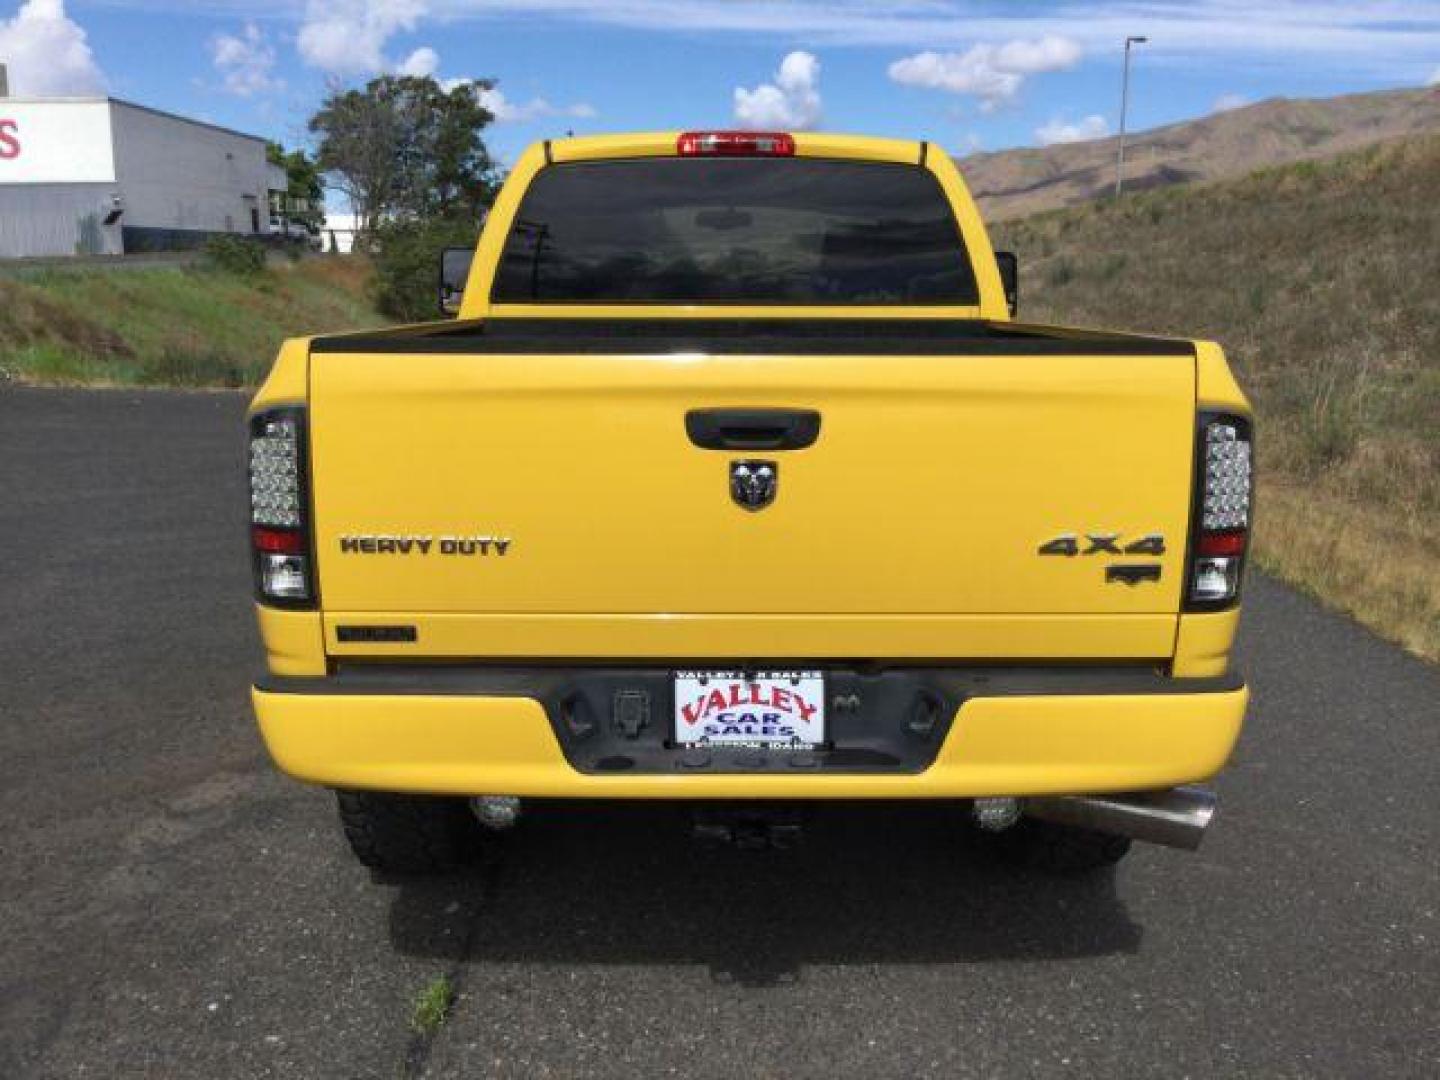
<point x="739" y="230"/>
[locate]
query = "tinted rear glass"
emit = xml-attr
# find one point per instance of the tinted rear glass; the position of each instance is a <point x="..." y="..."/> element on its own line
<point x="746" y="230"/>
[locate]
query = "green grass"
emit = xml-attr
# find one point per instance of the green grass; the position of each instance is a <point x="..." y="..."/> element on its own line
<point x="168" y="326"/>
<point x="432" y="1006"/>
<point x="1320" y="281"/>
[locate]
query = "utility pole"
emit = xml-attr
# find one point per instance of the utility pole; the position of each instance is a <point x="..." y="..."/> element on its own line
<point x="1124" y="103"/>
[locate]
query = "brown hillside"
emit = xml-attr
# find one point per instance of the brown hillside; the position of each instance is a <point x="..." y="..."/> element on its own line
<point x="1013" y="183"/>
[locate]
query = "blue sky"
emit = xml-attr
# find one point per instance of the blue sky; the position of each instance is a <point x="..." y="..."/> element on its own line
<point x="968" y="74"/>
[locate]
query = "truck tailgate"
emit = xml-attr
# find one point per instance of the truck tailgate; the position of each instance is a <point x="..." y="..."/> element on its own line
<point x="930" y="491"/>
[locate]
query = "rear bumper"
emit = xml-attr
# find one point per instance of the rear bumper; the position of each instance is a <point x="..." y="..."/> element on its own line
<point x="1060" y="734"/>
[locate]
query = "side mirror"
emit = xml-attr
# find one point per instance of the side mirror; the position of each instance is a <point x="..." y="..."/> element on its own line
<point x="1009" y="264"/>
<point x="454" y="271"/>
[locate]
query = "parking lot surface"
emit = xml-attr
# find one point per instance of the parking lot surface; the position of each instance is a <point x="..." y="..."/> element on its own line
<point x="170" y="906"/>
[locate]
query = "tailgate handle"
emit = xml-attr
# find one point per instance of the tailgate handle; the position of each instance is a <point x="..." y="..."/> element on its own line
<point x="753" y="429"/>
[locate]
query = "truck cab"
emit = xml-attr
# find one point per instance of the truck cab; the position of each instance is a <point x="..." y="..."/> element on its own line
<point x="737" y="479"/>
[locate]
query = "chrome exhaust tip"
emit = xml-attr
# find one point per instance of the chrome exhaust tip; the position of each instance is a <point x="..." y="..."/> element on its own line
<point x="1176" y="818"/>
<point x="995" y="815"/>
<point x="496" y="812"/>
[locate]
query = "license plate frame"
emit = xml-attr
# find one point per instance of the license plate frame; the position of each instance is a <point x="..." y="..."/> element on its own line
<point x="781" y="709"/>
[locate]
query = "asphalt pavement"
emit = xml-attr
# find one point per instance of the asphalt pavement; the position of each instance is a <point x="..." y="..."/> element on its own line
<point x="170" y="906"/>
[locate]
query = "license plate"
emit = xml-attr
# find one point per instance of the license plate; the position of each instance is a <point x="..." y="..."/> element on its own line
<point x="773" y="709"/>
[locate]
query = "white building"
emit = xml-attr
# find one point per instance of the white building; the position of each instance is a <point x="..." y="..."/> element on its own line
<point x="107" y="177"/>
<point x="338" y="235"/>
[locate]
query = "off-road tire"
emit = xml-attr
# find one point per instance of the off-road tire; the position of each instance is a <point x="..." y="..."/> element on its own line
<point x="1059" y="849"/>
<point x="409" y="835"/>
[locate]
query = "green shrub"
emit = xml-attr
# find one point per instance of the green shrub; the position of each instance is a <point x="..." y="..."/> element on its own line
<point x="432" y="1006"/>
<point x="235" y="255"/>
<point x="407" y="265"/>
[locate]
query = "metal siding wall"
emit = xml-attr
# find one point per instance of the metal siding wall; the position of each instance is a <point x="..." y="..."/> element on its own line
<point x="176" y="175"/>
<point x="56" y="219"/>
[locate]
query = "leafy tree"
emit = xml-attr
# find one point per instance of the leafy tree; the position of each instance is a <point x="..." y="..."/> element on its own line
<point x="463" y="177"/>
<point x="406" y="148"/>
<point x="305" y="194"/>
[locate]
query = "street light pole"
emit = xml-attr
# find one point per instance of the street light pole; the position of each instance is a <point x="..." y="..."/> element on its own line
<point x="1124" y="104"/>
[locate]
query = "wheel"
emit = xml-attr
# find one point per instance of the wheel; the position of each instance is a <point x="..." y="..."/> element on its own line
<point x="409" y="834"/>
<point x="1059" y="849"/>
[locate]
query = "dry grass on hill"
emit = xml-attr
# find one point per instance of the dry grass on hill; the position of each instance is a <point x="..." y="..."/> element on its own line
<point x="1012" y="183"/>
<point x="1320" y="279"/>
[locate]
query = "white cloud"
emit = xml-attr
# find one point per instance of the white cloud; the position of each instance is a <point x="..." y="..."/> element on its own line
<point x="970" y="143"/>
<point x="46" y="54"/>
<point x="421" y="63"/>
<point x="1058" y="131"/>
<point x="506" y="111"/>
<point x="791" y="102"/>
<point x="348" y="37"/>
<point x="1434" y="78"/>
<point x="1389" y="38"/>
<point x="245" y="61"/>
<point x="1287" y="31"/>
<point x="1226" y="102"/>
<point x="992" y="73"/>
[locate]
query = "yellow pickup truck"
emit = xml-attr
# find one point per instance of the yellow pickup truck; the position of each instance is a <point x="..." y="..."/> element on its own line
<point x="736" y="481"/>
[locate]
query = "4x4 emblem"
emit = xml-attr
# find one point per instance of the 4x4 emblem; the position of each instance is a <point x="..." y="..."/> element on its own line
<point x="753" y="483"/>
<point x="1068" y="544"/>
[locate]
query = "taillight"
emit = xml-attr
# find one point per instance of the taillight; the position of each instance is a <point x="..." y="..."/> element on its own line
<point x="279" y="529"/>
<point x="735" y="144"/>
<point x="1220" y="534"/>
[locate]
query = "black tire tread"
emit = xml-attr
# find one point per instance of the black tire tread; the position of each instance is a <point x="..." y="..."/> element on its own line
<point x="408" y="834"/>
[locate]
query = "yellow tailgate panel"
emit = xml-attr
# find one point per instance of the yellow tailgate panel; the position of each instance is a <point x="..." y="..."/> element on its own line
<point x="932" y="484"/>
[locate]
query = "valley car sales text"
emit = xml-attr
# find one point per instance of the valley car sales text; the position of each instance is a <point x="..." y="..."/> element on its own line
<point x="748" y="709"/>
